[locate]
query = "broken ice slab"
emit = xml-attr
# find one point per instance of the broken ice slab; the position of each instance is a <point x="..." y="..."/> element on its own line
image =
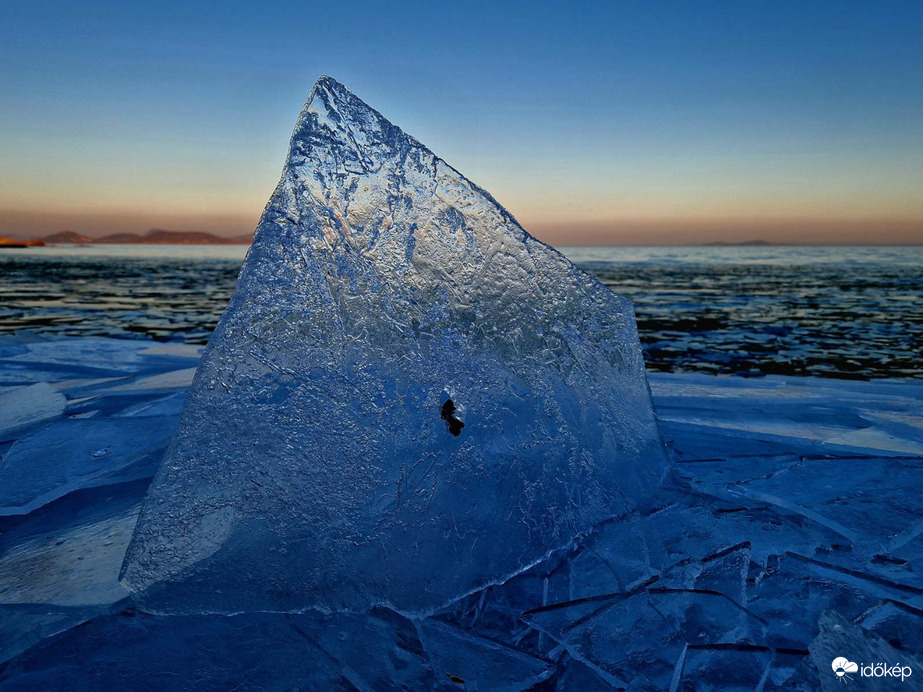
<point x="622" y="554"/>
<point x="466" y="661"/>
<point x="68" y="553"/>
<point x="92" y="354"/>
<point x="23" y="625"/>
<point x="840" y="638"/>
<point x="115" y="356"/>
<point x="867" y="504"/>
<point x="70" y="454"/>
<point x="175" y="379"/>
<point x="639" y="638"/>
<point x="130" y="651"/>
<point x="726" y="573"/>
<point x="376" y="650"/>
<point x="708" y="417"/>
<point x="793" y="591"/>
<point x="135" y="650"/>
<point x="79" y="568"/>
<point x="25" y="407"/>
<point x="865" y="500"/>
<point x="897" y="623"/>
<point x="728" y="667"/>
<point x="67" y="359"/>
<point x="572" y="674"/>
<point x="494" y="612"/>
<point x="169" y="405"/>
<point x="319" y="462"/>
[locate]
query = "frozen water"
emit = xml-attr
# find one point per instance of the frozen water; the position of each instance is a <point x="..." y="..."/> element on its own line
<point x="169" y="405"/>
<point x="387" y="300"/>
<point x="69" y="552"/>
<point x="22" y="626"/>
<point x="92" y="353"/>
<point x="641" y="637"/>
<point x="722" y="584"/>
<point x="736" y="417"/>
<point x="838" y="637"/>
<point x="725" y="668"/>
<point x="898" y="624"/>
<point x="70" y="454"/>
<point x="135" y="651"/>
<point x="471" y="662"/>
<point x="177" y="379"/>
<point x="22" y="407"/>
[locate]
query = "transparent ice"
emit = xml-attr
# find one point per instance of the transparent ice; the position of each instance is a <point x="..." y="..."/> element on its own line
<point x="407" y="399"/>
<point x="79" y="453"/>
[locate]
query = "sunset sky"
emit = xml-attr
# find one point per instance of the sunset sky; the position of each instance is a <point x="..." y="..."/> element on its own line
<point x="593" y="123"/>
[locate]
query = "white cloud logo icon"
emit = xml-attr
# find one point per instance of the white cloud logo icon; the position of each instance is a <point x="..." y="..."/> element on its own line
<point x="842" y="666"/>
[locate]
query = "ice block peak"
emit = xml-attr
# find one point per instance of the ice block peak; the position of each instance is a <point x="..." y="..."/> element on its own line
<point x="318" y="461"/>
<point x="330" y="97"/>
<point x="334" y="120"/>
<point x="336" y="93"/>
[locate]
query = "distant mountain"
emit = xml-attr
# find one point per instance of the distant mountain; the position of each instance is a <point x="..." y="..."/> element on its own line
<point x="119" y="238"/>
<point x="159" y="236"/>
<point x="748" y="243"/>
<point x="67" y="238"/>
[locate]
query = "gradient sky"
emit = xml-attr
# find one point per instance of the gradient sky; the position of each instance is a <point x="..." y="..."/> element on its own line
<point x="593" y="123"/>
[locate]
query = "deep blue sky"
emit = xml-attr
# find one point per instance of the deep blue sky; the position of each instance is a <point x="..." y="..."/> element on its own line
<point x="609" y="122"/>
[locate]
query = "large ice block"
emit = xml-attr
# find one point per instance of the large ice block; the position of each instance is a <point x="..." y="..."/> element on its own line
<point x="408" y="397"/>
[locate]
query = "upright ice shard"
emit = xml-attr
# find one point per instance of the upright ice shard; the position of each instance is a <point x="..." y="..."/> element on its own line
<point x="408" y="397"/>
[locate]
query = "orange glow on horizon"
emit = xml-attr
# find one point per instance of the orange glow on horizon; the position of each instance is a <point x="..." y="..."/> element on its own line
<point x="677" y="230"/>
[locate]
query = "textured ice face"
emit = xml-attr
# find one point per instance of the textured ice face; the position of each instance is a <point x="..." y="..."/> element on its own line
<point x="319" y="461"/>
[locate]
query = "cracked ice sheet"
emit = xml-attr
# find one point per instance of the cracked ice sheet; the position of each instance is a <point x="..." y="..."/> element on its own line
<point x="68" y="553"/>
<point x="721" y="417"/>
<point x="884" y="606"/>
<point x="22" y="626"/>
<point x="175" y="379"/>
<point x="638" y="638"/>
<point x="25" y="407"/>
<point x="67" y="361"/>
<point x="793" y="591"/>
<point x="59" y="565"/>
<point x="786" y="597"/>
<point x="480" y="664"/>
<point x="310" y="651"/>
<point x="839" y="637"/>
<point x="71" y="454"/>
<point x="93" y="354"/>
<point x="871" y="503"/>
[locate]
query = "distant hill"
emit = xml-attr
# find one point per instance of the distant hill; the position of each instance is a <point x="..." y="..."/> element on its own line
<point x="159" y="236"/>
<point x="744" y="243"/>
<point x="67" y="238"/>
<point x="119" y="238"/>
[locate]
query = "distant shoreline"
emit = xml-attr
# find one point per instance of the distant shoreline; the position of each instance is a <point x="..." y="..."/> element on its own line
<point x="155" y="236"/>
<point x="202" y="238"/>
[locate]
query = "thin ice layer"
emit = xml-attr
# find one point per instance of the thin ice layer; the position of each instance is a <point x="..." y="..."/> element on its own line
<point x="407" y="398"/>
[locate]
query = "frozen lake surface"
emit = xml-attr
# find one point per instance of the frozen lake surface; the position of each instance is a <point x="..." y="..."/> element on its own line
<point x="792" y="531"/>
<point x="839" y="312"/>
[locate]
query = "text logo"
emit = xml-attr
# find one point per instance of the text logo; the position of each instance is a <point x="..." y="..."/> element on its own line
<point x="842" y="667"/>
